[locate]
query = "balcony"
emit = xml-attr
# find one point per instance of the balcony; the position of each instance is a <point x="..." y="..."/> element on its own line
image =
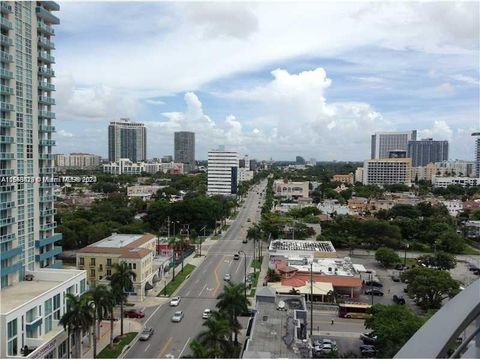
<point x="46" y="57"/>
<point x="6" y="123"/>
<point x="6" y="90"/>
<point x="7" y="156"/>
<point x="7" y="172"/>
<point x="434" y="339"/>
<point x="5" y="74"/>
<point x="5" y="24"/>
<point x="49" y="254"/>
<point x="46" y="100"/>
<point x="47" y="198"/>
<point x="47" y="72"/>
<point x="5" y="7"/>
<point x="7" y="237"/>
<point x="46" y="16"/>
<point x="5" y="40"/>
<point x="46" y="142"/>
<point x="46" y="114"/>
<point x="48" y="240"/>
<point x="48" y="227"/>
<point x="5" y="57"/>
<point x="50" y="212"/>
<point x="46" y="86"/>
<point x="5" y="205"/>
<point x="45" y="29"/>
<point x="45" y="43"/>
<point x="46" y="129"/>
<point x="7" y="188"/>
<point x="46" y="157"/>
<point x="11" y="269"/>
<point x="4" y="106"/>
<point x="33" y="323"/>
<point x="11" y="253"/>
<point x="6" y="139"/>
<point x="46" y="185"/>
<point x="47" y="170"/>
<point x="9" y="220"/>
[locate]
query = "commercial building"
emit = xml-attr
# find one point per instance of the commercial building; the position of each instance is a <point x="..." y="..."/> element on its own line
<point x="144" y="192"/>
<point x="137" y="251"/>
<point x="425" y="151"/>
<point x="443" y="182"/>
<point x="27" y="226"/>
<point x="343" y="178"/>
<point x="291" y="189"/>
<point x="300" y="249"/>
<point x="333" y="207"/>
<point x="127" y="167"/>
<point x="426" y="172"/>
<point x="127" y="140"/>
<point x="387" y="171"/>
<point x="384" y="142"/>
<point x="223" y="176"/>
<point x="80" y="161"/>
<point x="455" y="168"/>
<point x="185" y="149"/>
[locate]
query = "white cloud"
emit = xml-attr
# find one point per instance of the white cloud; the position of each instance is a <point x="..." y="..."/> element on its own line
<point x="466" y="79"/>
<point x="155" y="102"/>
<point x="445" y="89"/>
<point x="65" y="134"/>
<point x="439" y="131"/>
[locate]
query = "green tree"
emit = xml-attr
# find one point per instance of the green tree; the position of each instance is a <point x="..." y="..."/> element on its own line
<point x="77" y="318"/>
<point x="200" y="351"/>
<point x="392" y="335"/>
<point x="232" y="302"/>
<point x="430" y="287"/>
<point x="451" y="242"/>
<point x="387" y="257"/>
<point x="98" y="296"/>
<point x="444" y="261"/>
<point x="215" y="337"/>
<point x="122" y="279"/>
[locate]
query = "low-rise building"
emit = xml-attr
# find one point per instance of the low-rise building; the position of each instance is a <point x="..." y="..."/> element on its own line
<point x="455" y="168"/>
<point x="443" y="182"/>
<point x="124" y="167"/>
<point x="137" y="251"/>
<point x="286" y="249"/>
<point x="144" y="192"/>
<point x="30" y="312"/>
<point x="333" y="207"/>
<point x="291" y="189"/>
<point x="343" y="178"/>
<point x="472" y="229"/>
<point x="387" y="171"/>
<point x="454" y="207"/>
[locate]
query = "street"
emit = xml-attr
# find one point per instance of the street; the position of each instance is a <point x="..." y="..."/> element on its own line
<point x="199" y="291"/>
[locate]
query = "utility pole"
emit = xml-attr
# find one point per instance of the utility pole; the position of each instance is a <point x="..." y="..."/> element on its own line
<point x="311" y="299"/>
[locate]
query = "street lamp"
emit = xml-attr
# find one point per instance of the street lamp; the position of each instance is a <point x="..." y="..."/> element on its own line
<point x="245" y="260"/>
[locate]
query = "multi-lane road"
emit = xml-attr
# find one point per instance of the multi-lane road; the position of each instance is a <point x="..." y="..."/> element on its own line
<point x="199" y="291"/>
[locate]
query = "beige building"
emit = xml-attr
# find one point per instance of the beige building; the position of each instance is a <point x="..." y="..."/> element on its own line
<point x="387" y="171"/>
<point x="291" y="189"/>
<point x="81" y="161"/>
<point x="343" y="178"/>
<point x="424" y="172"/>
<point x="144" y="192"/>
<point x="136" y="250"/>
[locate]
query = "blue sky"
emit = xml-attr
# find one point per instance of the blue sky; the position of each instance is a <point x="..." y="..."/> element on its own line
<point x="269" y="79"/>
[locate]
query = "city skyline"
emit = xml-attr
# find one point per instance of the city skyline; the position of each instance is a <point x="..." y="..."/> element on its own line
<point x="337" y="86"/>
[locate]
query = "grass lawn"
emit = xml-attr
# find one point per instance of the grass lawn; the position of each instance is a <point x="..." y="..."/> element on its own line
<point x="179" y="278"/>
<point x="257" y="264"/>
<point x="469" y="250"/>
<point x="118" y="346"/>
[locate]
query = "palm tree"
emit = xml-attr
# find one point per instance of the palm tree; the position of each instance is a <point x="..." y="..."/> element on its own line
<point x="199" y="351"/>
<point x="182" y="243"/>
<point x="233" y="302"/>
<point x="294" y="291"/>
<point x="214" y="337"/>
<point x="122" y="279"/>
<point x="98" y="297"/>
<point x="77" y="318"/>
<point x="172" y="242"/>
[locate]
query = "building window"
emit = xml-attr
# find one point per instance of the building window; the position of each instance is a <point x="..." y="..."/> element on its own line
<point x="12" y="347"/>
<point x="62" y="350"/>
<point x="92" y="272"/>
<point x="81" y="261"/>
<point x="109" y="272"/>
<point x="100" y="267"/>
<point x="92" y="261"/>
<point x="12" y="329"/>
<point x="82" y="286"/>
<point x="48" y="324"/>
<point x="109" y="262"/>
<point x="134" y="266"/>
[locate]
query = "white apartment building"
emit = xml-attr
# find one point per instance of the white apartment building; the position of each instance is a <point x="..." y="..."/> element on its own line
<point x="454" y="207"/>
<point x="245" y="175"/>
<point x="387" y="171"/>
<point x="127" y="140"/>
<point x="223" y="171"/>
<point x="443" y="182"/>
<point x="359" y="174"/>
<point x="291" y="189"/>
<point x="124" y="167"/>
<point x="384" y="142"/>
<point x="455" y="168"/>
<point x="81" y="161"/>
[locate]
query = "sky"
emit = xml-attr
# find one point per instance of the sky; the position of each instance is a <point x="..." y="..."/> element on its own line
<point x="269" y="79"/>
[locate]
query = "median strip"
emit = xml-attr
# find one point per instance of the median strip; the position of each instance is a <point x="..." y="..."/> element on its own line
<point x="118" y="345"/>
<point x="179" y="279"/>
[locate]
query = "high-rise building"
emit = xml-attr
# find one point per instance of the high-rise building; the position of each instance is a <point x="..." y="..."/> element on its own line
<point x="33" y="289"/>
<point x="81" y="161"/>
<point x="299" y="160"/>
<point x="477" y="154"/>
<point x="387" y="171"/>
<point x="384" y="142"/>
<point x="426" y="151"/>
<point x="185" y="149"/>
<point x="222" y="172"/>
<point x="127" y="140"/>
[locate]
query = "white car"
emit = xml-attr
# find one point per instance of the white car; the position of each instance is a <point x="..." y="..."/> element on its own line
<point x="178" y="316"/>
<point x="227" y="277"/>
<point x="175" y="301"/>
<point x="206" y="313"/>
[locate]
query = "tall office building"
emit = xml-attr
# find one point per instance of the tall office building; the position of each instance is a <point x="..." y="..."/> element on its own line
<point x="185" y="149"/>
<point x="32" y="288"/>
<point x="385" y="142"/>
<point x="387" y="171"/>
<point x="223" y="172"/>
<point x="127" y="140"/>
<point x="426" y="151"/>
<point x="477" y="154"/>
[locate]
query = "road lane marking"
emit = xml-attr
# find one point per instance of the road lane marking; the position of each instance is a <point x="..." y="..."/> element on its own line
<point x="165" y="347"/>
<point x="202" y="290"/>
<point x="188" y="293"/>
<point x="184" y="346"/>
<point x="146" y="348"/>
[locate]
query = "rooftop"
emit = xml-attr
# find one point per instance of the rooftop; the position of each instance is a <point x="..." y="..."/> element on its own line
<point x="44" y="281"/>
<point x="123" y="240"/>
<point x="301" y="245"/>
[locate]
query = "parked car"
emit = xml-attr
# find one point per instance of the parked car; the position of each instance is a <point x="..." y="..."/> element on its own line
<point x="134" y="313"/>
<point x="399" y="300"/>
<point x="374" y="292"/>
<point x="146" y="334"/>
<point x="175" y="301"/>
<point x="395" y="278"/>
<point x="206" y="313"/>
<point x="401" y="267"/>
<point x="248" y="220"/>
<point x="369" y="352"/>
<point x="236" y="257"/>
<point x="369" y="338"/>
<point x="373" y="283"/>
<point x="178" y="316"/>
<point x="244" y="241"/>
<point x="227" y="277"/>
<point x="323" y="342"/>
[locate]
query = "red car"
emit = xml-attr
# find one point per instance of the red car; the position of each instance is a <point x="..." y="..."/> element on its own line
<point x="134" y="313"/>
